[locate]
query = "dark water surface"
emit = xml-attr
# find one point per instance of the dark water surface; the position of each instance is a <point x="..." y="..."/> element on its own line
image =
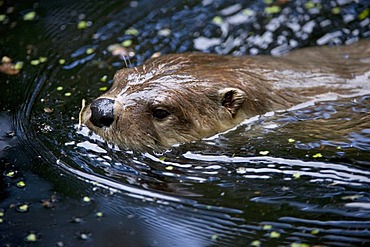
<point x="292" y="178"/>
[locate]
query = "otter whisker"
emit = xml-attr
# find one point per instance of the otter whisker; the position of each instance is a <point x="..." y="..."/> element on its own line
<point x="83" y="106"/>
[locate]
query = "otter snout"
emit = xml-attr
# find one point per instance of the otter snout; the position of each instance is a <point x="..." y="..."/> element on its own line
<point x="102" y="112"/>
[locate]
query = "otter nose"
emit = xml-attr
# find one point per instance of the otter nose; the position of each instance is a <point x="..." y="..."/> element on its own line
<point x="102" y="112"/>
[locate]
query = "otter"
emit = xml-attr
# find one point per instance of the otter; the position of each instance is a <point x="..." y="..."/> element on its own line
<point x="179" y="98"/>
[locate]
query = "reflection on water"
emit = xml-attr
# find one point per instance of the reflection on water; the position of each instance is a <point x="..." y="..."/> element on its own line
<point x="289" y="177"/>
<point x="312" y="172"/>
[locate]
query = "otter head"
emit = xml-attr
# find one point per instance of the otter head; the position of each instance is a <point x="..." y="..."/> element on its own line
<point x="166" y="101"/>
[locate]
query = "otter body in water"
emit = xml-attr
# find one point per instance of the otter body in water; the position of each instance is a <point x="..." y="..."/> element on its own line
<point x="180" y="98"/>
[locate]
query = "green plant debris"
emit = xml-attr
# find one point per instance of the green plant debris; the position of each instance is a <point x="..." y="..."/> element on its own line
<point x="104" y="78"/>
<point x="318" y="155"/>
<point x="264" y="152"/>
<point x="68" y="94"/>
<point x="99" y="214"/>
<point x="267" y="227"/>
<point x="256" y="243"/>
<point x="272" y="10"/>
<point x="268" y="1"/>
<point x="214" y="236"/>
<point x="309" y="5"/>
<point x="43" y="59"/>
<point x="2" y="18"/>
<point x="363" y="14"/>
<point x="217" y="20"/>
<point x="62" y="61"/>
<point x="1" y="213"/>
<point x="291" y="140"/>
<point x="274" y="234"/>
<point x="299" y="245"/>
<point x="1" y="220"/>
<point x="35" y="62"/>
<point x="127" y="43"/>
<point x="169" y="168"/>
<point x="82" y="25"/>
<point x="132" y="31"/>
<point x="103" y="89"/>
<point x="21" y="184"/>
<point x="31" y="237"/>
<point x="86" y="199"/>
<point x="23" y="208"/>
<point x="162" y="158"/>
<point x="315" y="231"/>
<point x="60" y="88"/>
<point x="336" y="10"/>
<point x="18" y="65"/>
<point x="29" y="16"/>
<point x="248" y="12"/>
<point x="90" y="51"/>
<point x="10" y="174"/>
<point x="297" y="175"/>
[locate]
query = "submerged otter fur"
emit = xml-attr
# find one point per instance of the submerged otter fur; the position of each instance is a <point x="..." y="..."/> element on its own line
<point x="179" y="98"/>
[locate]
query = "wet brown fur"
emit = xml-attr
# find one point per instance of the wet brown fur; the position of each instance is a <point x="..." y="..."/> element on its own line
<point x="207" y="94"/>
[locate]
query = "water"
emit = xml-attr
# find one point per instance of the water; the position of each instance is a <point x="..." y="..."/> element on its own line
<point x="292" y="177"/>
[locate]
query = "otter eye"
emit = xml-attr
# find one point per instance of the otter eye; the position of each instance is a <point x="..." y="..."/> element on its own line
<point x="160" y="114"/>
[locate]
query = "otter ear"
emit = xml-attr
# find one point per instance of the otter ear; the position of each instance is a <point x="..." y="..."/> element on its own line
<point x="232" y="99"/>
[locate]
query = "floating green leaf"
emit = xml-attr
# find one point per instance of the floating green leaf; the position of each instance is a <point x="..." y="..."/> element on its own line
<point x="10" y="174"/>
<point x="318" y="155"/>
<point x="43" y="59"/>
<point x="296" y="175"/>
<point x="256" y="243"/>
<point x="104" y="78"/>
<point x="315" y="231"/>
<point x="272" y="10"/>
<point x="82" y="25"/>
<point x="248" y="12"/>
<point x="35" y="62"/>
<point x="31" y="237"/>
<point x="336" y="10"/>
<point x="18" y="65"/>
<point x="89" y="51"/>
<point x="299" y="245"/>
<point x="21" y="184"/>
<point x="23" y="208"/>
<point x="267" y="227"/>
<point x="363" y="14"/>
<point x="274" y="234"/>
<point x="29" y="16"/>
<point x="86" y="199"/>
<point x="309" y="5"/>
<point x="127" y="43"/>
<point x="131" y="31"/>
<point x="217" y="20"/>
